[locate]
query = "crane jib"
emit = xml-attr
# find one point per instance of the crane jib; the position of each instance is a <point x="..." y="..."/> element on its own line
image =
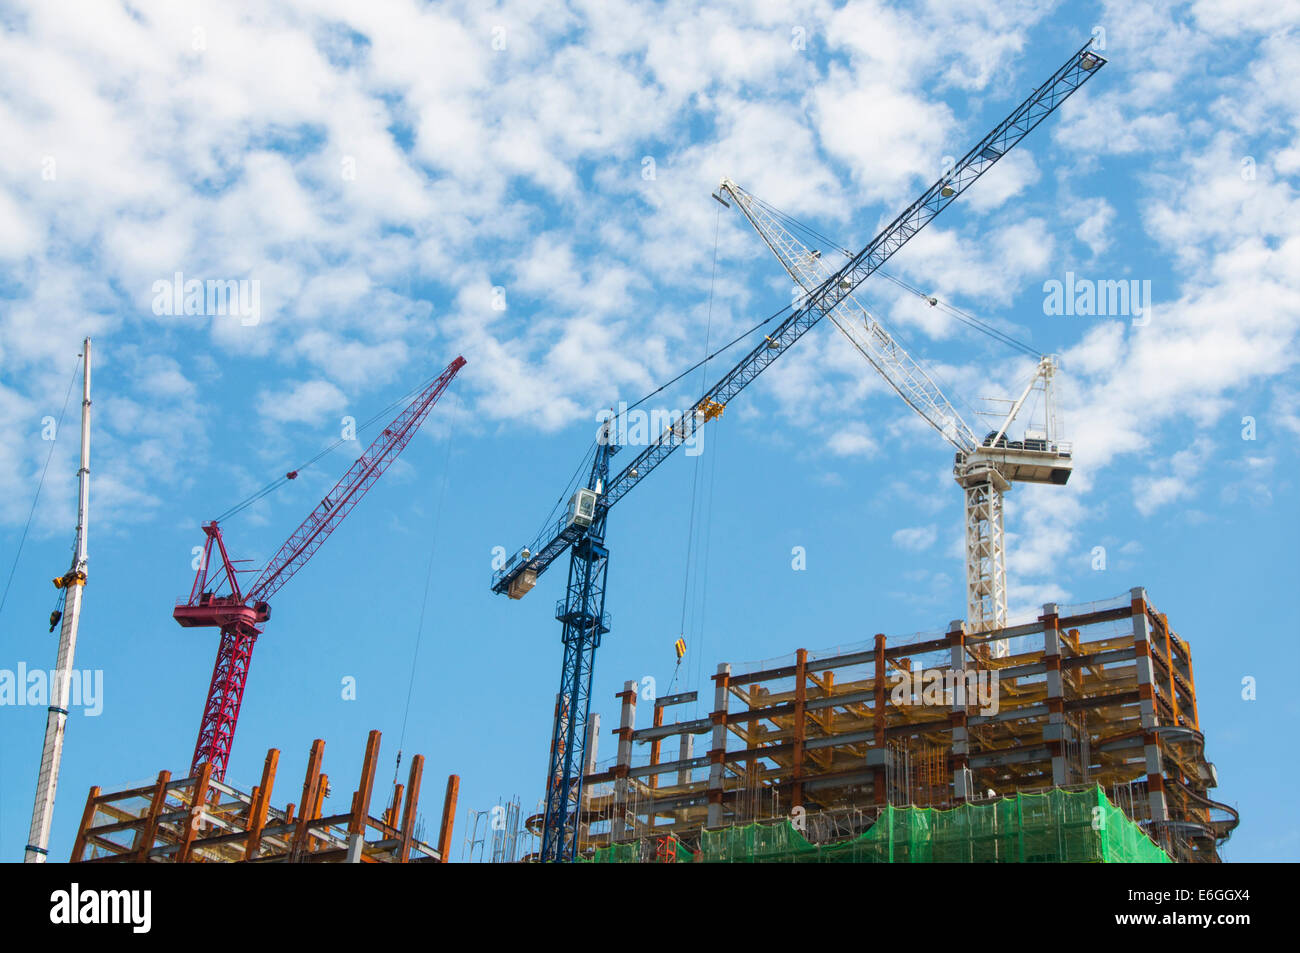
<point x="1041" y="103"/>
<point x="363" y="473"/>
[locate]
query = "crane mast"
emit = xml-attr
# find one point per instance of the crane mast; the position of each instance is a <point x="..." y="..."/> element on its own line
<point x="985" y="474"/>
<point x="582" y="614"/>
<point x="582" y="529"/>
<point x="72" y="583"/>
<point x="240" y="614"/>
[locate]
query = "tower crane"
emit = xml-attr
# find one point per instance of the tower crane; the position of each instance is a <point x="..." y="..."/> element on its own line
<point x="985" y="469"/>
<point x="218" y="601"/>
<point x="581" y="530"/>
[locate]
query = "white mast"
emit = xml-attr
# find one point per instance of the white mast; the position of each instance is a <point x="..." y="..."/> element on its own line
<point x="73" y="582"/>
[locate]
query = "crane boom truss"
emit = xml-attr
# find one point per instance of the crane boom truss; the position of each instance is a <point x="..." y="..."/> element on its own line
<point x="982" y="481"/>
<point x="875" y="343"/>
<point x="1041" y="103"/>
<point x="353" y="485"/>
<point x="582" y="609"/>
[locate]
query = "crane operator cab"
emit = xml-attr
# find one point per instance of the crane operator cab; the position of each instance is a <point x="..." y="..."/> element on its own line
<point x="582" y="508"/>
<point x="1035" y="459"/>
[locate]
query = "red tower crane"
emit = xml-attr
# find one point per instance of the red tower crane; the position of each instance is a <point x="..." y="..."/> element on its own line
<point x="240" y="613"/>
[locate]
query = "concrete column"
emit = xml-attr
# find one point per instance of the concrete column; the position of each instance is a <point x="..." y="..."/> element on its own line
<point x="828" y="679"/>
<point x="684" y="752"/>
<point x="355" y="843"/>
<point x="718" y="745"/>
<point x="620" y="829"/>
<point x="800" y="700"/>
<point x="878" y="753"/>
<point x="1147" y="695"/>
<point x="589" y="768"/>
<point x="1055" y="731"/>
<point x="593" y="742"/>
<point x="961" y="787"/>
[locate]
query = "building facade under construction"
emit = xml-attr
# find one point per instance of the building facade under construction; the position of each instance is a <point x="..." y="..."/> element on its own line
<point x="1085" y="710"/>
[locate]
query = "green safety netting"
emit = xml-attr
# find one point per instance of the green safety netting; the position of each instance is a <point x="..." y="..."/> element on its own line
<point x="1054" y="827"/>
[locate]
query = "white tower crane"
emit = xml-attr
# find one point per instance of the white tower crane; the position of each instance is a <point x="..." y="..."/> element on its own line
<point x="985" y="469"/>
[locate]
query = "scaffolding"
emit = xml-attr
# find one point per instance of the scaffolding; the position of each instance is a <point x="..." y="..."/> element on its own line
<point x="1056" y="826"/>
<point x="199" y="819"/>
<point x="1090" y="697"/>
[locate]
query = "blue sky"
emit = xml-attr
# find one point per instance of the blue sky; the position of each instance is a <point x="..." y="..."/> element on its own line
<point x="381" y="170"/>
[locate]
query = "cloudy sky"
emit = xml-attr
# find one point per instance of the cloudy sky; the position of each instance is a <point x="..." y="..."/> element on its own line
<point x="527" y="184"/>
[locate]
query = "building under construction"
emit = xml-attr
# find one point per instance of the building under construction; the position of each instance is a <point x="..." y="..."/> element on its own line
<point x="1011" y="744"/>
<point x="201" y="819"/>
<point x="1071" y="737"/>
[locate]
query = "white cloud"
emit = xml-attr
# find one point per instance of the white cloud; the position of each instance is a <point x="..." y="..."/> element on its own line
<point x="1007" y="179"/>
<point x="893" y="141"/>
<point x="916" y="538"/>
<point x="305" y="402"/>
<point x="1172" y="479"/>
<point x="853" y="440"/>
<point x="430" y="167"/>
<point x="1094" y="230"/>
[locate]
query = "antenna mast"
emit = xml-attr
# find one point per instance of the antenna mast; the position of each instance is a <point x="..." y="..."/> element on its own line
<point x="72" y="583"/>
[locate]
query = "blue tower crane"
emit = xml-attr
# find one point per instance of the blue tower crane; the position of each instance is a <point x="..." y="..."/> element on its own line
<point x="582" y="528"/>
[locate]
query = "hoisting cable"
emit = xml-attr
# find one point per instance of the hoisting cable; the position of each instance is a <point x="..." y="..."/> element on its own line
<point x="613" y="419"/>
<point x="795" y="225"/>
<point x="548" y="521"/>
<point x="695" y="472"/>
<point x="736" y="340"/>
<point x="707" y="533"/>
<point x="964" y="317"/>
<point x="330" y="448"/>
<point x="60" y="600"/>
<point x="424" y="602"/>
<point x="39" y="484"/>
